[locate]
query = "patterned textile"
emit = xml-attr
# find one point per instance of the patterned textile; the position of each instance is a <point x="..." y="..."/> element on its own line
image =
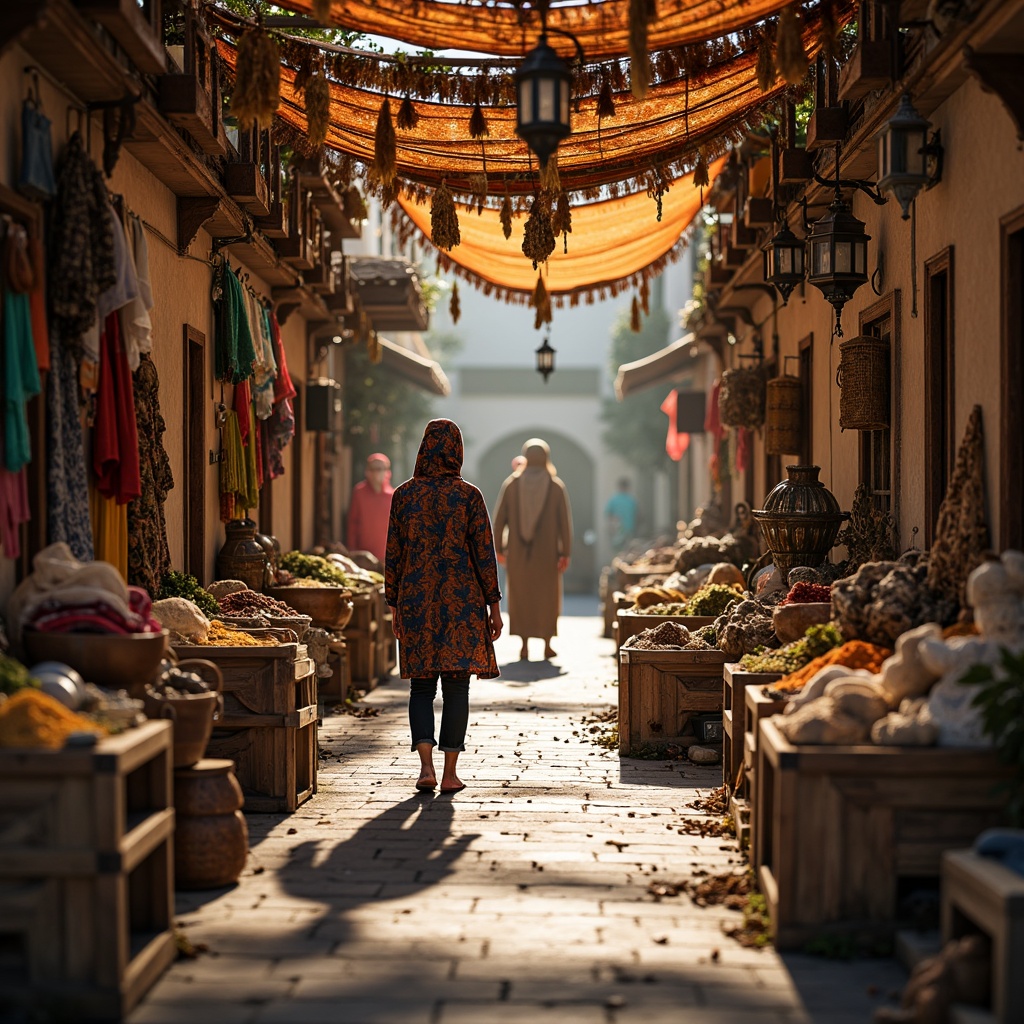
<point x="149" y="557"/>
<point x="440" y="573"/>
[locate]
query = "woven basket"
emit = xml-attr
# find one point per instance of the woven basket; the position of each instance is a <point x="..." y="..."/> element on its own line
<point x="783" y="419"/>
<point x="863" y="379"/>
<point x="741" y="399"/>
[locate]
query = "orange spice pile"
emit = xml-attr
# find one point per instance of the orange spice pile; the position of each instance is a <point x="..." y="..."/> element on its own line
<point x="854" y="654"/>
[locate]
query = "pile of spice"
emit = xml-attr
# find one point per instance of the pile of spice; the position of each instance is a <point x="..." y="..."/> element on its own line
<point x="251" y="602"/>
<point x="224" y="636"/>
<point x="808" y="593"/>
<point x="854" y="654"/>
<point x="32" y="719"/>
<point x="819" y="640"/>
<point x="713" y="599"/>
<point x="285" y="579"/>
<point x="667" y="635"/>
<point x="313" y="567"/>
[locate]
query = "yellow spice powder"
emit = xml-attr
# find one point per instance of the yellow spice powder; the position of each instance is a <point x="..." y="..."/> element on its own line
<point x="224" y="636"/>
<point x="31" y="718"/>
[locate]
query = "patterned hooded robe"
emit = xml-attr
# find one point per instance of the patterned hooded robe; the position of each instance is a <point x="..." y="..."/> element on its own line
<point x="440" y="572"/>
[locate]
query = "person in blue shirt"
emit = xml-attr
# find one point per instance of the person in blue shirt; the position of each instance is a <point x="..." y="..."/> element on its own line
<point x="621" y="514"/>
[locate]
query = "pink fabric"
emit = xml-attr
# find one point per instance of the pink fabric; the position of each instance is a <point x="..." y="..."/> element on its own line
<point x="742" y="449"/>
<point x="676" y="442"/>
<point x="368" y="519"/>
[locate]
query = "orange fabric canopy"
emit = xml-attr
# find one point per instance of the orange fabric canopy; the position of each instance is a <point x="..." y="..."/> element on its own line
<point x="602" y="26"/>
<point x="611" y="242"/>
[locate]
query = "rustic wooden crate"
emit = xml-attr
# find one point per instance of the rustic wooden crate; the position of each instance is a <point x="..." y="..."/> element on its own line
<point x="361" y="638"/>
<point x="735" y="683"/>
<point x="386" y="643"/>
<point x="86" y="874"/>
<point x="980" y="894"/>
<point x="631" y="623"/>
<point x="659" y="692"/>
<point x="334" y="688"/>
<point x="840" y="827"/>
<point x="276" y="766"/>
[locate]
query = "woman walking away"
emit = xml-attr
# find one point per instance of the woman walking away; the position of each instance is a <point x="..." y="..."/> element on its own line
<point x="533" y="527"/>
<point x="441" y="582"/>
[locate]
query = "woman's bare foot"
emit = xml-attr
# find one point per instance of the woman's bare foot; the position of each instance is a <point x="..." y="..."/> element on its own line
<point x="426" y="781"/>
<point x="428" y="777"/>
<point x="524" y="654"/>
<point x="549" y="651"/>
<point x="451" y="783"/>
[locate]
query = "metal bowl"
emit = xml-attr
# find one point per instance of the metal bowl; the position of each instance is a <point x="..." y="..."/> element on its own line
<point x="119" y="661"/>
<point x="326" y="606"/>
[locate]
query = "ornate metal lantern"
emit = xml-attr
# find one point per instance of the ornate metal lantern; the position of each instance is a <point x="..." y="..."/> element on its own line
<point x="838" y="253"/>
<point x="546" y="360"/>
<point x="543" y="85"/>
<point x="784" y="262"/>
<point x="907" y="160"/>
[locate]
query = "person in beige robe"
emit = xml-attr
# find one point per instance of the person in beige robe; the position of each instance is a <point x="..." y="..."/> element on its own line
<point x="533" y="536"/>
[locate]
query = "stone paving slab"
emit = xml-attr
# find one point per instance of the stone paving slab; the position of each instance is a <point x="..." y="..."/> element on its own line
<point x="521" y="899"/>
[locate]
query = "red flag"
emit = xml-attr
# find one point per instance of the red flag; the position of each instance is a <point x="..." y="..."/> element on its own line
<point x="676" y="443"/>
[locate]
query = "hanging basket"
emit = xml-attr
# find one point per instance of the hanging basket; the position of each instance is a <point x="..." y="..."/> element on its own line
<point x="783" y="419"/>
<point x="741" y="398"/>
<point x="863" y="379"/>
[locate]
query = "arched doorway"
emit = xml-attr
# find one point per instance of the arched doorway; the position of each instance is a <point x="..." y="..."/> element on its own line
<point x="575" y="469"/>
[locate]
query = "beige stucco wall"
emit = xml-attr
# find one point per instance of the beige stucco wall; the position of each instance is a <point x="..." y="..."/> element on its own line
<point x="181" y="291"/>
<point x="981" y="183"/>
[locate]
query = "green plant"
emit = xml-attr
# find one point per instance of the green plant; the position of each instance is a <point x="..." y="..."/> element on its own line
<point x="1001" y="703"/>
<point x="181" y="584"/>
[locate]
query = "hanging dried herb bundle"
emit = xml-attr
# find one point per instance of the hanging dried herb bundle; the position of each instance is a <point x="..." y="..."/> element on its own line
<point x="828" y="30"/>
<point x="478" y="123"/>
<point x="318" y="111"/>
<point x="454" y="307"/>
<point x="322" y="11"/>
<point x="538" y="238"/>
<point x="645" y="296"/>
<point x="635" y="323"/>
<point x="561" y="219"/>
<point x="765" y="63"/>
<point x="505" y="215"/>
<point x="541" y="302"/>
<point x="353" y="204"/>
<point x="388" y="193"/>
<point x="374" y="347"/>
<point x="700" y="172"/>
<point x="641" y="13"/>
<point x="384" y="146"/>
<point x="408" y="115"/>
<point x="257" y="92"/>
<point x="605" y="103"/>
<point x="478" y="186"/>
<point x="790" y="59"/>
<point x="550" y="180"/>
<point x="444" y="221"/>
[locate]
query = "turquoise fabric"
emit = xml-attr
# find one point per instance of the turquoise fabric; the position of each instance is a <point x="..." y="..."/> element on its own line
<point x="21" y="379"/>
<point x="234" y="354"/>
<point x="622" y="506"/>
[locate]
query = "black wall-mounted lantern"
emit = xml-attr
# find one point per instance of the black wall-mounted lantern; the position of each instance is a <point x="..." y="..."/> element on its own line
<point x="838" y="255"/>
<point x="546" y="359"/>
<point x="784" y="262"/>
<point x="908" y="161"/>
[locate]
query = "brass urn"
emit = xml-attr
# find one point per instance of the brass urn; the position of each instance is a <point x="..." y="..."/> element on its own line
<point x="800" y="519"/>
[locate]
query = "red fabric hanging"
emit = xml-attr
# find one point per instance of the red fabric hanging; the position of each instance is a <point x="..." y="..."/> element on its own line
<point x="115" y="449"/>
<point x="676" y="442"/>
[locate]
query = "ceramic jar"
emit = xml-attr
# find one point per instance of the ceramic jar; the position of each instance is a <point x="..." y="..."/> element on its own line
<point x="211" y="839"/>
<point x="242" y="557"/>
<point x="800" y="519"/>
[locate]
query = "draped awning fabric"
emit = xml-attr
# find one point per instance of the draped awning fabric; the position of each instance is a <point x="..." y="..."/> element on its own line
<point x="657" y="368"/>
<point x="660" y="135"/>
<point x="601" y="26"/>
<point x="611" y="243"/>
<point x="425" y="373"/>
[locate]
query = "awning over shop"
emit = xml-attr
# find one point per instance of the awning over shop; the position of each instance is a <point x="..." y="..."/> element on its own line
<point x="425" y="373"/>
<point x="389" y="292"/>
<point x="659" y="367"/>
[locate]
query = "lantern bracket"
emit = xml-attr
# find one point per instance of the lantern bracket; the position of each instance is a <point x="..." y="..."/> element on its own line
<point x="934" y="150"/>
<point x="840" y="183"/>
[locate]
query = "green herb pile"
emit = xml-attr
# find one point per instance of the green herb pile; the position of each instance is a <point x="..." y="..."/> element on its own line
<point x="181" y="584"/>
<point x="712" y="599"/>
<point x="313" y="567"/>
<point x="14" y="676"/>
<point x="707" y="634"/>
<point x="818" y="641"/>
<point x="675" y="608"/>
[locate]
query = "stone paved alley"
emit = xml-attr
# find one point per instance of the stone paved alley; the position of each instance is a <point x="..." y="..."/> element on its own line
<point x="521" y="899"/>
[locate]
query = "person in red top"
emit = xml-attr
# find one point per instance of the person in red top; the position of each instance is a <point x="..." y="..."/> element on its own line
<point x="370" y="508"/>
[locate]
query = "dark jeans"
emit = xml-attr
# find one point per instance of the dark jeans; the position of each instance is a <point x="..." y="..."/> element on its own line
<point x="454" y="711"/>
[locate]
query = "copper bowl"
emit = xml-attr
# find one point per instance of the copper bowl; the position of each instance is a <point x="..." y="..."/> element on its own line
<point x="328" y="607"/>
<point x="118" y="661"/>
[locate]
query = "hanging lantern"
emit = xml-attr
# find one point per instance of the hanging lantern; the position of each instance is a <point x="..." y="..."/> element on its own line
<point x="838" y="253"/>
<point x="543" y="88"/>
<point x="904" y="155"/>
<point x="546" y="359"/>
<point x="784" y="262"/>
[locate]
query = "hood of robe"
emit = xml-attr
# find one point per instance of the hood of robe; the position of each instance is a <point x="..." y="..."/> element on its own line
<point x="441" y="450"/>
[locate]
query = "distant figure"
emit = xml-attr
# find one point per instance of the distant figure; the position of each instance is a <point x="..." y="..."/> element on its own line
<point x="533" y="534"/>
<point x="621" y="515"/>
<point x="441" y="582"/>
<point x="370" y="508"/>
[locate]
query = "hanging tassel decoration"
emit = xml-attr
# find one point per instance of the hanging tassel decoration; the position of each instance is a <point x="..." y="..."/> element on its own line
<point x="550" y="180"/>
<point x="538" y="238"/>
<point x="505" y="215"/>
<point x="444" y="221"/>
<point x="700" y="175"/>
<point x="645" y="296"/>
<point x="322" y="11"/>
<point x="635" y="324"/>
<point x="257" y="92"/>
<point x="790" y="58"/>
<point x="765" y="63"/>
<point x="541" y="302"/>
<point x="478" y="123"/>
<point x="828" y="30"/>
<point x="641" y="14"/>
<point x="384" y="146"/>
<point x="454" y="307"/>
<point x="478" y="186"/>
<point x="605" y="108"/>
<point x="408" y="115"/>
<point x="318" y="111"/>
<point x="561" y="220"/>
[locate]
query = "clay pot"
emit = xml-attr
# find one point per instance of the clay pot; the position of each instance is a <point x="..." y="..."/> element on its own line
<point x="211" y="839"/>
<point x="791" y="621"/>
<point x="242" y="557"/>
